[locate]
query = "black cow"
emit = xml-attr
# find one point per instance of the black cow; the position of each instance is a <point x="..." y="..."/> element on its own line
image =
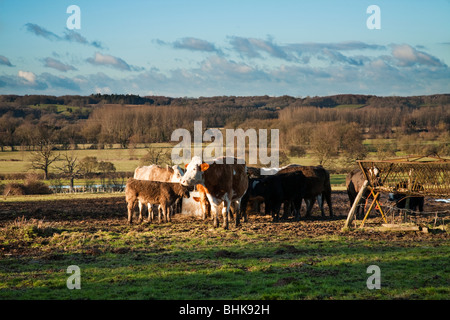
<point x="354" y="182"/>
<point x="401" y="198"/>
<point x="317" y="185"/>
<point x="249" y="196"/>
<point x="280" y="188"/>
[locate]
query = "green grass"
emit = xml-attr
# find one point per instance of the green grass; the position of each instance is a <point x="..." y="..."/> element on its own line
<point x="63" y="109"/>
<point x="190" y="261"/>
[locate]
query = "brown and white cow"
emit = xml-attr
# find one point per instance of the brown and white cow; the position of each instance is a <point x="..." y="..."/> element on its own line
<point x="224" y="180"/>
<point x="157" y="173"/>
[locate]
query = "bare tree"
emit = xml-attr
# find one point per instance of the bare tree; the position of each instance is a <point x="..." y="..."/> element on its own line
<point x="70" y="168"/>
<point x="324" y="142"/>
<point x="157" y="156"/>
<point x="44" y="157"/>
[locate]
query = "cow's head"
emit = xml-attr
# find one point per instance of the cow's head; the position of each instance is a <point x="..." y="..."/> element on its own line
<point x="177" y="174"/>
<point x="194" y="172"/>
<point x="184" y="192"/>
<point x="374" y="176"/>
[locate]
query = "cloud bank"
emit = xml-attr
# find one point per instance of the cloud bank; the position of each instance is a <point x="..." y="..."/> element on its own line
<point x="249" y="66"/>
<point x="69" y="35"/>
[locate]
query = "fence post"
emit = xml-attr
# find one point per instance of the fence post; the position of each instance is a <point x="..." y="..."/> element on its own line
<point x="355" y="205"/>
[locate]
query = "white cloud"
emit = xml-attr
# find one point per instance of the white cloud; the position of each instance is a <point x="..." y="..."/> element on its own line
<point x="408" y="56"/>
<point x="28" y="76"/>
<point x="111" y="61"/>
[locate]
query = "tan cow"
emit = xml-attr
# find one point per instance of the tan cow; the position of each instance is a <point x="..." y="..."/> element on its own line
<point x="158" y="173"/>
<point x="224" y="180"/>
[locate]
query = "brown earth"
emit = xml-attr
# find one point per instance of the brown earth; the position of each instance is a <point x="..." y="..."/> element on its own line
<point x="111" y="213"/>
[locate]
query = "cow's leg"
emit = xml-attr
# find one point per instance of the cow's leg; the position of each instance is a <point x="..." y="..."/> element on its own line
<point x="130" y="207"/>
<point x="320" y="203"/>
<point x="159" y="213"/>
<point x="169" y="212"/>
<point x="242" y="212"/>
<point x="214" y="215"/>
<point x="297" y="203"/>
<point x="214" y="203"/>
<point x="150" y="211"/>
<point x="231" y="212"/>
<point x="237" y="207"/>
<point x="140" y="211"/>
<point x="421" y="203"/>
<point x="225" y="211"/>
<point x="165" y="211"/>
<point x="276" y="211"/>
<point x="287" y="209"/>
<point x="206" y="207"/>
<point x="327" y="196"/>
<point x="309" y="204"/>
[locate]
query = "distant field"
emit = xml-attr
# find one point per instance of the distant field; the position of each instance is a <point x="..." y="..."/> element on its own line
<point x="62" y="109"/>
<point x="19" y="162"/>
<point x="126" y="160"/>
<point x="349" y="106"/>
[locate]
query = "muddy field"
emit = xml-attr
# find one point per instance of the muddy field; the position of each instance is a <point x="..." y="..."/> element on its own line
<point x="92" y="215"/>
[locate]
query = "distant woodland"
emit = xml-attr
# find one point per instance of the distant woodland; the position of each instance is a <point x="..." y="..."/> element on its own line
<point x="339" y="123"/>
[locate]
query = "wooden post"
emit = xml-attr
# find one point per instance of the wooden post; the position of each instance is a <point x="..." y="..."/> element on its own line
<point x="355" y="204"/>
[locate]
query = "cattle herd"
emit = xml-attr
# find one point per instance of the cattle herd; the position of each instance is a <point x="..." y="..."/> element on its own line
<point x="225" y="183"/>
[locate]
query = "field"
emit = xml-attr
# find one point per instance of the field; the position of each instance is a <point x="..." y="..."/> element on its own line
<point x="40" y="237"/>
<point x="188" y="259"/>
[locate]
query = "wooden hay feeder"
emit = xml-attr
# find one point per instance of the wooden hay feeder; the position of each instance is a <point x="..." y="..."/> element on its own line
<point x="419" y="176"/>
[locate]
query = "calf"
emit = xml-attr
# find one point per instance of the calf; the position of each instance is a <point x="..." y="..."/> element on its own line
<point x="401" y="198"/>
<point x="157" y="173"/>
<point x="163" y="194"/>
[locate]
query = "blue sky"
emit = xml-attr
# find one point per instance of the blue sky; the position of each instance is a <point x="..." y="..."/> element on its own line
<point x="209" y="48"/>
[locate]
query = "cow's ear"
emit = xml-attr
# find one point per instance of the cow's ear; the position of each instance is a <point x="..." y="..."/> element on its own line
<point x="185" y="166"/>
<point x="204" y="166"/>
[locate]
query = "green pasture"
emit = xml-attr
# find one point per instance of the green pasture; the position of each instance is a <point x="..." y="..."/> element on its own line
<point x="179" y="261"/>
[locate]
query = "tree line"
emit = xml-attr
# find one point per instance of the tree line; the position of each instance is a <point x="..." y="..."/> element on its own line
<point x="309" y="123"/>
